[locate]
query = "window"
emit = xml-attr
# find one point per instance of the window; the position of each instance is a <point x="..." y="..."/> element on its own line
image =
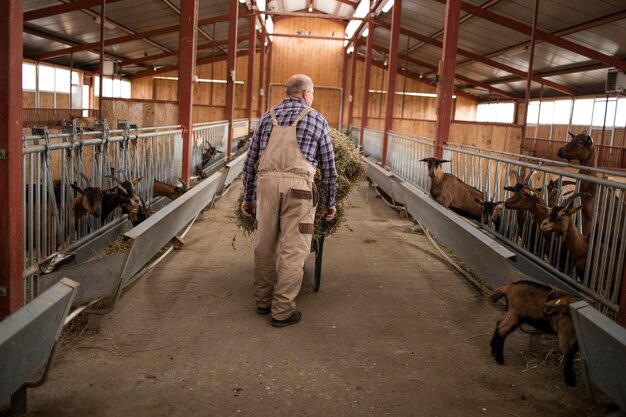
<point x="61" y="80"/>
<point x="620" y="115"/>
<point x="75" y="78"/>
<point x="562" y="111"/>
<point x="495" y="112"/>
<point x="532" y="116"/>
<point x="546" y="112"/>
<point x="29" y="77"/>
<point x="112" y="87"/>
<point x="583" y="110"/>
<point x="46" y="78"/>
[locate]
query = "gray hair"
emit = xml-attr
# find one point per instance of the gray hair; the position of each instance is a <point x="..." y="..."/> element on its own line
<point x="297" y="83"/>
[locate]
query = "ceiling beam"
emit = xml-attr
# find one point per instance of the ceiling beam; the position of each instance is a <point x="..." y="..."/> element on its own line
<point x="122" y="39"/>
<point x="479" y="58"/>
<point x="349" y="3"/>
<point x="63" y="8"/>
<point x="545" y="36"/>
<point x="307" y="14"/>
<point x="457" y="76"/>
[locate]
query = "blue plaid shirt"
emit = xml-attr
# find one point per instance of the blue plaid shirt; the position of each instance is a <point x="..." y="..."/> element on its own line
<point x="314" y="141"/>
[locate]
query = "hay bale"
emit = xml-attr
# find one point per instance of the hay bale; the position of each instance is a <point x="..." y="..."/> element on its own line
<point x="350" y="170"/>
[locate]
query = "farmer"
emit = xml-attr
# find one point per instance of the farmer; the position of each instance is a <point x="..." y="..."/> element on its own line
<point x="290" y="141"/>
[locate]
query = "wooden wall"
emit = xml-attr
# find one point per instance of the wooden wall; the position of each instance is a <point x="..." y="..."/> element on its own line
<point x="320" y="59"/>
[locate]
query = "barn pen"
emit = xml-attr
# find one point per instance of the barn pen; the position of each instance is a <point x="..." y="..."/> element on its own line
<point x="126" y="283"/>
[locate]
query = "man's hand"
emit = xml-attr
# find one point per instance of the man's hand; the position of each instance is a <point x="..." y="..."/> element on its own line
<point x="248" y="209"/>
<point x="329" y="213"/>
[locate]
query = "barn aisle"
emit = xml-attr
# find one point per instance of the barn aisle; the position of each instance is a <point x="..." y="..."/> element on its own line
<point x="394" y="331"/>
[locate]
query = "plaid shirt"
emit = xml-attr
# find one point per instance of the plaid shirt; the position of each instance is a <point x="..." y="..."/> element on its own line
<point x="314" y="141"/>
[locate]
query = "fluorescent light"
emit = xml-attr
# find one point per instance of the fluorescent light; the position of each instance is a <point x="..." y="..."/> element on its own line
<point x="352" y="26"/>
<point x="269" y="27"/>
<point x="200" y="80"/>
<point x="387" y="6"/>
<point x="242" y="1"/>
<point x="350" y="49"/>
<point x="361" y="11"/>
<point x="365" y="32"/>
<point x="260" y="4"/>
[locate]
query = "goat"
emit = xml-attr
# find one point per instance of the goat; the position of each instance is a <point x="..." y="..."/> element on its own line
<point x="492" y="213"/>
<point x="581" y="148"/>
<point x="560" y="221"/>
<point x="88" y="200"/>
<point x="208" y="154"/>
<point x="452" y="193"/>
<point x="163" y="189"/>
<point x="124" y="196"/>
<point x="526" y="302"/>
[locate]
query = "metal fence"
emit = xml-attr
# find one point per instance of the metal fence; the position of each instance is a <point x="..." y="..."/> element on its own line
<point x="54" y="164"/>
<point x="608" y="156"/>
<point x="491" y="171"/>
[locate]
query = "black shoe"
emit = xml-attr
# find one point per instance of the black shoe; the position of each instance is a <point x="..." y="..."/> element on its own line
<point x="263" y="310"/>
<point x="295" y="317"/>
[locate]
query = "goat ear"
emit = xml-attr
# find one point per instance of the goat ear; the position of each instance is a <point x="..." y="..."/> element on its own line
<point x="137" y="180"/>
<point x="543" y="207"/>
<point x="572" y="210"/>
<point x="77" y="189"/>
<point x="509" y="189"/>
<point x="589" y="140"/>
<point x="538" y="189"/>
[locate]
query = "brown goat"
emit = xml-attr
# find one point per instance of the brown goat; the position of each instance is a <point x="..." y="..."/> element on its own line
<point x="163" y="189"/>
<point x="560" y="221"/>
<point x="452" y="193"/>
<point x="88" y="200"/>
<point x="526" y="302"/>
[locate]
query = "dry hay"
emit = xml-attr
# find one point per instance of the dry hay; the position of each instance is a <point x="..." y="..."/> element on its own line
<point x="120" y="244"/>
<point x="350" y="170"/>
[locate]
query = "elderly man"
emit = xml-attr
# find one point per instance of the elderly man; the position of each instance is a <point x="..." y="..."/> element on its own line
<point x="291" y="140"/>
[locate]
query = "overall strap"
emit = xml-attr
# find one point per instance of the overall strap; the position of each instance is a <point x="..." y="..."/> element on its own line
<point x="273" y="115"/>
<point x="301" y="115"/>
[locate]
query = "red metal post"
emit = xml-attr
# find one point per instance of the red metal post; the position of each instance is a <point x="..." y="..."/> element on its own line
<point x="250" y="81"/>
<point x="366" y="82"/>
<point x="352" y="86"/>
<point x="445" y="87"/>
<point x="186" y="66"/>
<point x="11" y="247"/>
<point x="394" y="47"/>
<point x="102" y="19"/>
<point x="344" y="81"/>
<point x="261" y="71"/>
<point x="529" y="78"/>
<point x="230" y="74"/>
<point x="269" y="77"/>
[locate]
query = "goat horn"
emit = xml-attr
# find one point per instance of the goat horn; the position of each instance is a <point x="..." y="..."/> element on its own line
<point x="183" y="183"/>
<point x="529" y="177"/>
<point x="570" y="133"/>
<point x="517" y="177"/>
<point x="124" y="174"/>
<point x="572" y="197"/>
<point x="113" y="177"/>
<point x="86" y="179"/>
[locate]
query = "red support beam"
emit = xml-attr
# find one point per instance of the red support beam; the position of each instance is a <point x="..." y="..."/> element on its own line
<point x="611" y="61"/>
<point x="366" y="82"/>
<point x="394" y="47"/>
<point x="344" y="81"/>
<point x="259" y="111"/>
<point x="352" y="87"/>
<point x="251" y="53"/>
<point x="123" y="39"/>
<point x="531" y="59"/>
<point x="309" y="15"/>
<point x="11" y="247"/>
<point x="62" y="8"/>
<point x="230" y="72"/>
<point x="484" y="60"/>
<point x="268" y="79"/>
<point x="186" y="66"/>
<point x="101" y="66"/>
<point x="445" y="87"/>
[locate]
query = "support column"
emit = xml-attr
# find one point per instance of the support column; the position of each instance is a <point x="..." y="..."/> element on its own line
<point x="101" y="70"/>
<point x="186" y="66"/>
<point x="445" y="87"/>
<point x="251" y="54"/>
<point x="392" y="68"/>
<point x="344" y="82"/>
<point x="352" y="86"/>
<point x="11" y="244"/>
<point x="261" y="71"/>
<point x="366" y="81"/>
<point x="269" y="76"/>
<point x="529" y="75"/>
<point x="230" y="74"/>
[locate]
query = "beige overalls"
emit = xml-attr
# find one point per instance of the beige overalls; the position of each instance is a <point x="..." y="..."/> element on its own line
<point x="285" y="215"/>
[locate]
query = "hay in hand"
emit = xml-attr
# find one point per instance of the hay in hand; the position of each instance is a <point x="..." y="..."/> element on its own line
<point x="350" y="170"/>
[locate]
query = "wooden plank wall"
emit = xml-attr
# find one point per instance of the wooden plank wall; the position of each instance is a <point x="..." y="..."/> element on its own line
<point x="320" y="59"/>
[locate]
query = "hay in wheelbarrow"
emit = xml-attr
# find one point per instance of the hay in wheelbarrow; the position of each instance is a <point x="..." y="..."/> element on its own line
<point x="350" y="170"/>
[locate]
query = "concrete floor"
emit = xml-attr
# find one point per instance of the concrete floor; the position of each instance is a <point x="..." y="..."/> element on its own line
<point x="394" y="331"/>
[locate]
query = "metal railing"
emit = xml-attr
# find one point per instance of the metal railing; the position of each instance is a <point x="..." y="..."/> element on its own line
<point x="491" y="171"/>
<point x="608" y="156"/>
